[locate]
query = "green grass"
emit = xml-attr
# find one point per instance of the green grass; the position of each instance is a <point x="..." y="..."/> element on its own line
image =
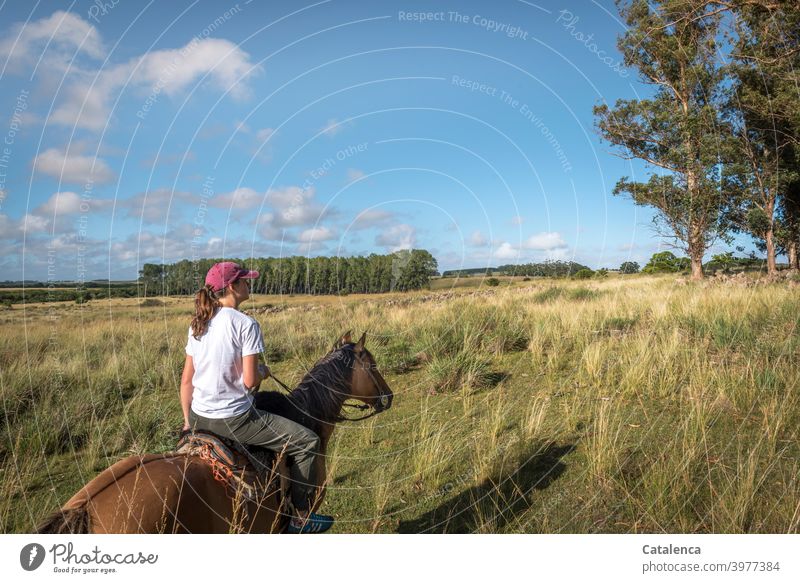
<point x="632" y="405"/>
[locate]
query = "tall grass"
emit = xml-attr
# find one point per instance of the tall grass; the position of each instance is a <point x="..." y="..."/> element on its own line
<point x="622" y="405"/>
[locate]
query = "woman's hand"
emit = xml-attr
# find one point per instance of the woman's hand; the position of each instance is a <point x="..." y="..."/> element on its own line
<point x="264" y="371"/>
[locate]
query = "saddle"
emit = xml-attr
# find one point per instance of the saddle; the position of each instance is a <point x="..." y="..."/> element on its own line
<point x="254" y="472"/>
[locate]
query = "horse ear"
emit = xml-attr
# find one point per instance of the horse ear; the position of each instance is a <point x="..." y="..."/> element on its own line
<point x="360" y="344"/>
<point x="341" y="340"/>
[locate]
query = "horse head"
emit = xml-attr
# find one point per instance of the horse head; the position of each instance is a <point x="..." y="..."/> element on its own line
<point x="366" y="384"/>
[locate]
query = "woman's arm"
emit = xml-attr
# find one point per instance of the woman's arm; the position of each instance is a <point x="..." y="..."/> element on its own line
<point x="187" y="389"/>
<point x="250" y="375"/>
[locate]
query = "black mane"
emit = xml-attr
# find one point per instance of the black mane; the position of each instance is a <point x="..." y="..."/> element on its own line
<point x="318" y="399"/>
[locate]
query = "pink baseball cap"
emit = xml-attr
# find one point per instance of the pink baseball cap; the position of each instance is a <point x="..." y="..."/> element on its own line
<point x="221" y="274"/>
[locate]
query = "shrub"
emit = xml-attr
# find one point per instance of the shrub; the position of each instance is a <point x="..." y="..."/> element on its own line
<point x="492" y="282"/>
<point x="547" y="295"/>
<point x="466" y="370"/>
<point x="581" y="293"/>
<point x="395" y="357"/>
<point x="601" y="273"/>
<point x="151" y="303"/>
<point x="583" y="274"/>
<point x="666" y="262"/>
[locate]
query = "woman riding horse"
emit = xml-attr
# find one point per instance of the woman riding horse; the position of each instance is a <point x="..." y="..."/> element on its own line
<point x="180" y="493"/>
<point x="221" y="370"/>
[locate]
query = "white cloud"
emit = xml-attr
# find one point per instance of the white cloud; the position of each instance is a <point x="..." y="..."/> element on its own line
<point x="506" y="251"/>
<point x="334" y="126"/>
<point x="264" y="134"/>
<point x="371" y="218"/>
<point x="535" y="248"/>
<point x="31" y="223"/>
<point x="544" y="242"/>
<point x="240" y="199"/>
<point x="316" y="234"/>
<point x="64" y="35"/>
<point x="266" y="228"/>
<point x="9" y="228"/>
<point x="310" y="247"/>
<point x="170" y="72"/>
<point x="151" y="207"/>
<point x="476" y="239"/>
<point x="73" y="168"/>
<point x="398" y="237"/>
<point x="54" y="217"/>
<point x="61" y="203"/>
<point x="294" y="206"/>
<point x="354" y="174"/>
<point x="290" y="206"/>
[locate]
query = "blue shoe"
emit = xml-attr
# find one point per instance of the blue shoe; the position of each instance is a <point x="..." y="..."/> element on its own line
<point x="315" y="523"/>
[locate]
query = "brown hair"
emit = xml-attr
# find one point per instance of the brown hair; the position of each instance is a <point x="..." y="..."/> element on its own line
<point x="206" y="302"/>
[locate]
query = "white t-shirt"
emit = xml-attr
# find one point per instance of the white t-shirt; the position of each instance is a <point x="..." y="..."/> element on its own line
<point x="219" y="389"/>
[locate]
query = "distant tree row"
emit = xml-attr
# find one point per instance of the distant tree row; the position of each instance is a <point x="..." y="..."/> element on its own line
<point x="400" y="271"/>
<point x="69" y="292"/>
<point x="668" y="262"/>
<point x="545" y="269"/>
<point x="721" y="132"/>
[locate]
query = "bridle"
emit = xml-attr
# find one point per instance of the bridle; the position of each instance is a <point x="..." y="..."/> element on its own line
<point x="382" y="399"/>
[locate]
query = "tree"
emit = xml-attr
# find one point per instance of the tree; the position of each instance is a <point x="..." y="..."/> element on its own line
<point x="417" y="270"/>
<point x="665" y="262"/>
<point x="787" y="231"/>
<point x="761" y="109"/>
<point x="724" y="260"/>
<point x="673" y="45"/>
<point x="151" y="276"/>
<point x="628" y="267"/>
<point x="583" y="274"/>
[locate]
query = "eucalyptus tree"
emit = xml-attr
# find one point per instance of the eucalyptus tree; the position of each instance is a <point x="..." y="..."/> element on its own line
<point x="677" y="131"/>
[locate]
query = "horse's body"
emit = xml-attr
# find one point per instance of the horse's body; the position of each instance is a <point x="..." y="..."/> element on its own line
<point x="177" y="493"/>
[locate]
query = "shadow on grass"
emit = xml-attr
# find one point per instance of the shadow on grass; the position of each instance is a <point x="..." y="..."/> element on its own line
<point x="498" y="499"/>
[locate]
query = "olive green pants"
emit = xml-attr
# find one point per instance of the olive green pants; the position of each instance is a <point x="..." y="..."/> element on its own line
<point x="257" y="427"/>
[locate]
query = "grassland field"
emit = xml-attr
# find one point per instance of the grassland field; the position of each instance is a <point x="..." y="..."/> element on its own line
<point x="629" y="404"/>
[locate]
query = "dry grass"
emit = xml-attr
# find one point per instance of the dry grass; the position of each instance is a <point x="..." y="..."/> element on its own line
<point x="623" y="405"/>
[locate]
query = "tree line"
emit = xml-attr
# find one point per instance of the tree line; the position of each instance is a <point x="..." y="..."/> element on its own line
<point x="721" y="132"/>
<point x="399" y="271"/>
<point x="548" y="268"/>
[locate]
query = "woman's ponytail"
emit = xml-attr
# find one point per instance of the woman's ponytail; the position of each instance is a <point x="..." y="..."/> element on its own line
<point x="206" y="302"/>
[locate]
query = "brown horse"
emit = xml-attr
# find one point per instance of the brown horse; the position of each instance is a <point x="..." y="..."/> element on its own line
<point x="177" y="493"/>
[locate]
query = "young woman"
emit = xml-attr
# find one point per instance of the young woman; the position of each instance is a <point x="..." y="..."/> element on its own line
<point x="220" y="371"/>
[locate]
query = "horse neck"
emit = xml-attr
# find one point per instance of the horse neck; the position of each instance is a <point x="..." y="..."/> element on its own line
<point x="312" y="402"/>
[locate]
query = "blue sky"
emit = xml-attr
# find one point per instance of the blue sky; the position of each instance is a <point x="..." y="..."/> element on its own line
<point x="144" y="132"/>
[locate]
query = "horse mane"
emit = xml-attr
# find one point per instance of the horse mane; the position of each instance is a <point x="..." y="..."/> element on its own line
<point x="318" y="399"/>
